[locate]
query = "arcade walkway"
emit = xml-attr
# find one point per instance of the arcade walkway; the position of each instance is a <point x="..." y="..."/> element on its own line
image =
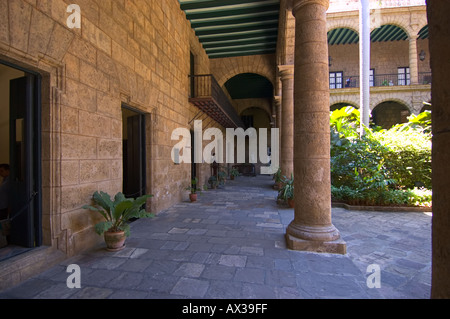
<point x="230" y="245"/>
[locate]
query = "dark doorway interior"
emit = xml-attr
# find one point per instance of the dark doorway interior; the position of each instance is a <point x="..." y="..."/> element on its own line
<point x="20" y="147"/>
<point x="134" y="182"/>
<point x="390" y="113"/>
<point x="193" y="164"/>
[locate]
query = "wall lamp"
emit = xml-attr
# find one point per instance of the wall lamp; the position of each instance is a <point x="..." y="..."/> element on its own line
<point x="422" y="55"/>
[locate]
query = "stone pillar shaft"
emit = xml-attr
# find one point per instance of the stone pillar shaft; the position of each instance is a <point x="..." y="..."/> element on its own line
<point x="312" y="228"/>
<point x="278" y="111"/>
<point x="439" y="27"/>
<point x="287" y="120"/>
<point x="277" y="102"/>
<point x="413" y="61"/>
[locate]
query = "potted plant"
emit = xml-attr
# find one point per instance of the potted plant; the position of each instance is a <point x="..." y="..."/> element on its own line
<point x="213" y="182"/>
<point x="278" y="178"/>
<point x="193" y="189"/>
<point x="115" y="228"/>
<point x="234" y="173"/>
<point x="222" y="177"/>
<point x="287" y="191"/>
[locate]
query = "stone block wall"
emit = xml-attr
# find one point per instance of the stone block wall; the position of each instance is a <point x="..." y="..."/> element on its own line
<point x="386" y="57"/>
<point x="126" y="52"/>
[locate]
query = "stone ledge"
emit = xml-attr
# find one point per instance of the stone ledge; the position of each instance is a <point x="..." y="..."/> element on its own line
<point x="20" y="268"/>
<point x="402" y="209"/>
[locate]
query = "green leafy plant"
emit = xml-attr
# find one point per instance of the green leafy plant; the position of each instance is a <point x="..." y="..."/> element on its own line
<point x="222" y="177"/>
<point x="383" y="166"/>
<point x="213" y="182"/>
<point x="234" y="172"/>
<point x="277" y="177"/>
<point x="193" y="187"/>
<point x="118" y="212"/>
<point x="287" y="190"/>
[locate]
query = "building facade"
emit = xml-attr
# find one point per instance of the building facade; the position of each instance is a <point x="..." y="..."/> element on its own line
<point x="92" y="107"/>
<point x="400" y="58"/>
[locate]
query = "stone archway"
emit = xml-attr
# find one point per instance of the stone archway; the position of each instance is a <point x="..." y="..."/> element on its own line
<point x="390" y="113"/>
<point x="338" y="106"/>
<point x="348" y="99"/>
<point x="226" y="68"/>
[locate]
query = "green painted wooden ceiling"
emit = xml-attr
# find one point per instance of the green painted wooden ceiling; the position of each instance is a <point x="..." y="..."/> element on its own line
<point x="388" y="33"/>
<point x="342" y="36"/>
<point x="423" y="33"/>
<point x="228" y="28"/>
<point x="385" y="33"/>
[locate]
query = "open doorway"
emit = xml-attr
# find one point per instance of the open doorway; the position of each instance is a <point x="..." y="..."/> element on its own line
<point x="134" y="168"/>
<point x="20" y="167"/>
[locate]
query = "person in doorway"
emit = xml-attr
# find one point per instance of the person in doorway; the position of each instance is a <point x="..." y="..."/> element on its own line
<point x="4" y="191"/>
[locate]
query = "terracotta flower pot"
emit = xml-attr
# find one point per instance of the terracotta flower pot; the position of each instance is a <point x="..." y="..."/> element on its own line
<point x="193" y="197"/>
<point x="115" y="241"/>
<point x="291" y="203"/>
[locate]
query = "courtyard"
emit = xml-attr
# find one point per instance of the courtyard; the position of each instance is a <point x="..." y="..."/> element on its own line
<point x="231" y="245"/>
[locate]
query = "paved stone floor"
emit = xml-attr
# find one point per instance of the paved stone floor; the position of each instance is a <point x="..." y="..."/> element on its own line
<point x="230" y="245"/>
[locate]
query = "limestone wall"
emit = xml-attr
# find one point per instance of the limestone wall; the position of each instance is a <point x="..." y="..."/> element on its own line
<point x="127" y="52"/>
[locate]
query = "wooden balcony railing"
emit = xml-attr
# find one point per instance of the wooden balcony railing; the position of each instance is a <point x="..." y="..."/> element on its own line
<point x="208" y="96"/>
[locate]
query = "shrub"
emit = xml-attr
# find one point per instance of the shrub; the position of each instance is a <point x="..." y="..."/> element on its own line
<point x="384" y="167"/>
<point x="409" y="155"/>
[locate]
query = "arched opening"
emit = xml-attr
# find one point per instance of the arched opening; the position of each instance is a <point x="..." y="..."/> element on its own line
<point x="255" y="118"/>
<point x="427" y="106"/>
<point x="249" y="86"/>
<point x="343" y="52"/>
<point x="339" y="106"/>
<point x="251" y="94"/>
<point x="390" y="113"/>
<point x="342" y="36"/>
<point x="390" y="56"/>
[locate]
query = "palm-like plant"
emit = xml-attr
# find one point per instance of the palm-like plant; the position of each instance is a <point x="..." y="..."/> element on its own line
<point x="287" y="190"/>
<point x="117" y="213"/>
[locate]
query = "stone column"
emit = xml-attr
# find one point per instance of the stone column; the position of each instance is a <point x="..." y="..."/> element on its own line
<point x="287" y="120"/>
<point x="413" y="61"/>
<point x="277" y="102"/>
<point x="439" y="26"/>
<point x="312" y="228"/>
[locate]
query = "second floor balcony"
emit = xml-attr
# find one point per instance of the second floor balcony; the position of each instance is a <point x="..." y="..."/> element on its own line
<point x="340" y="81"/>
<point x="208" y="96"/>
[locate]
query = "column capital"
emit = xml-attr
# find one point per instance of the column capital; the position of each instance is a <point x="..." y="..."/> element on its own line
<point x="286" y="71"/>
<point x="298" y="4"/>
<point x="277" y="100"/>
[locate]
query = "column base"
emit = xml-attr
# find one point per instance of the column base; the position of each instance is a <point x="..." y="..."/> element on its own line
<point x="338" y="246"/>
<point x="320" y="239"/>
